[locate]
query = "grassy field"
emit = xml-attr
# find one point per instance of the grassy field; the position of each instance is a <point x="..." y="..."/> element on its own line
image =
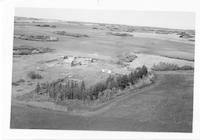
<point x="166" y="106"/>
<point x="98" y="44"/>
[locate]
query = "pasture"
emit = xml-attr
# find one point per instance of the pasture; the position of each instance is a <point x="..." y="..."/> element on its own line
<point x="47" y="50"/>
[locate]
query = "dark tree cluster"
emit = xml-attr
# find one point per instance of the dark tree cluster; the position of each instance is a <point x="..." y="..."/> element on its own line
<point x="162" y="66"/>
<point x="61" y="90"/>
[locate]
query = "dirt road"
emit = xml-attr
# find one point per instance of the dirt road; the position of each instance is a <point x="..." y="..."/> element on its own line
<point x="165" y="107"/>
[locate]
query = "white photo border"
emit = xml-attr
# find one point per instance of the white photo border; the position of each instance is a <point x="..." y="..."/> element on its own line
<point x="7" y="14"/>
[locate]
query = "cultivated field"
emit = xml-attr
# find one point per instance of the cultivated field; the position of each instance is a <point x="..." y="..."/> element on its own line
<point x="62" y="66"/>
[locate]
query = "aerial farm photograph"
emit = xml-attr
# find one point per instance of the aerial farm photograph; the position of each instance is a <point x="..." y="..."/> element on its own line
<point x="102" y="70"/>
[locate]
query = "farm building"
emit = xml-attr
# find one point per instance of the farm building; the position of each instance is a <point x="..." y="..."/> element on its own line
<point x="74" y="61"/>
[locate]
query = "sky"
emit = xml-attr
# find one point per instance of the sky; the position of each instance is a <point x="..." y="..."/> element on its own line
<point x="177" y="20"/>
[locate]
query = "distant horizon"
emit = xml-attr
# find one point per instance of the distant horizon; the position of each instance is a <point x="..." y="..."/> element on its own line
<point x="46" y="14"/>
<point x="108" y="23"/>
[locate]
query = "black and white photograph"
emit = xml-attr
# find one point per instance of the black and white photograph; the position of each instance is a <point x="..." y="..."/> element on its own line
<point x="102" y="70"/>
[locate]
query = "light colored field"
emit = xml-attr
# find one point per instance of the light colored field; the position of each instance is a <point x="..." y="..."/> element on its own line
<point x="149" y="60"/>
<point x="164" y="106"/>
<point x="149" y="48"/>
<point x="171" y="37"/>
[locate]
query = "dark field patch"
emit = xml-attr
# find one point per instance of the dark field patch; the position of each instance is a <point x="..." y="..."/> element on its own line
<point x="29" y="50"/>
<point x="36" y="37"/>
<point x="64" y="33"/>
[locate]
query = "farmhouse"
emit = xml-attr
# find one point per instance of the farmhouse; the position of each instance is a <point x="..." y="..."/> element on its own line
<point x="68" y="59"/>
<point x="75" y="61"/>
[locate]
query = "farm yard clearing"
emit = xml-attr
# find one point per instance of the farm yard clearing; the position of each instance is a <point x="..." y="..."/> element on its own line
<point x="107" y="64"/>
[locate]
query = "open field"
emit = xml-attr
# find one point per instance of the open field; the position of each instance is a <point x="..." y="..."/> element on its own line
<point x="164" y="107"/>
<point x="45" y="51"/>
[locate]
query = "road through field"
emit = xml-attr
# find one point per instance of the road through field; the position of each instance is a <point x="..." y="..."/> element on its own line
<point x="165" y="107"/>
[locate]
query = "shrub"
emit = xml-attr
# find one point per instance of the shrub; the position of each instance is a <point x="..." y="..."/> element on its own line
<point x="99" y="87"/>
<point x="122" y="81"/>
<point x="17" y="83"/>
<point x="37" y="89"/>
<point x="144" y="70"/>
<point x="37" y="37"/>
<point x="127" y="58"/>
<point x="133" y="77"/>
<point x="162" y="66"/>
<point x="120" y="34"/>
<point x="61" y="89"/>
<point x="170" y="67"/>
<point x="143" y="82"/>
<point x="29" y="50"/>
<point x="105" y="95"/>
<point x="111" y="82"/>
<point x="64" y="33"/>
<point x="25" y="52"/>
<point x="34" y="75"/>
<point x="186" y="67"/>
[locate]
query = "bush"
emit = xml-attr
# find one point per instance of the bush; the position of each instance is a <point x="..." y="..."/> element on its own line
<point x="186" y="67"/>
<point x="38" y="88"/>
<point x="37" y="37"/>
<point x="162" y="66"/>
<point x="29" y="50"/>
<point x="25" y="52"/>
<point x="99" y="87"/>
<point x="17" y="83"/>
<point x="120" y="34"/>
<point x="34" y="75"/>
<point x="122" y="81"/>
<point x="111" y="82"/>
<point x="64" y="33"/>
<point x="105" y="95"/>
<point x="170" y="67"/>
<point x="127" y="58"/>
<point x="144" y="82"/>
<point x="62" y="89"/>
